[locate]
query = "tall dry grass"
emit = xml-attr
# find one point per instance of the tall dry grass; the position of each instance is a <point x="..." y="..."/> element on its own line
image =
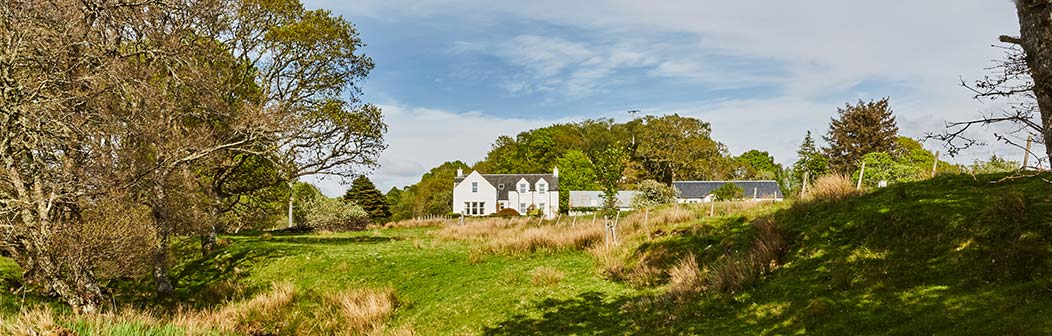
<point x="415" y="223"/>
<point x="686" y="279"/>
<point x="503" y="236"/>
<point x="832" y="187"/>
<point x="361" y="311"/>
<point x="353" y="312"/>
<point x="546" y="276"/>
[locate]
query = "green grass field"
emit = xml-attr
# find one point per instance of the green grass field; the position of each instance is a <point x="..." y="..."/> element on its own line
<point x="955" y="255"/>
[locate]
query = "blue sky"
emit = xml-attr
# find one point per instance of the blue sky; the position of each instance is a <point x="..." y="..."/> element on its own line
<point x="452" y="75"/>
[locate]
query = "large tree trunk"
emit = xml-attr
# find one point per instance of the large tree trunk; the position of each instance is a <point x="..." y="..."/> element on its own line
<point x="1035" y="28"/>
<point x="158" y="211"/>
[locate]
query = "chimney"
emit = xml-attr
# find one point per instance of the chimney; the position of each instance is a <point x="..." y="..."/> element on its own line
<point x="460" y="172"/>
<point x="555" y="171"/>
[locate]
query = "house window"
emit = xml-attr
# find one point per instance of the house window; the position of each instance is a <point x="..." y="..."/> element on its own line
<point x="474" y="187"/>
<point x="475" y="208"/>
<point x="500" y="186"/>
<point x="541" y="188"/>
<point x="543" y="209"/>
<point x="522" y="188"/>
<point x="522" y="208"/>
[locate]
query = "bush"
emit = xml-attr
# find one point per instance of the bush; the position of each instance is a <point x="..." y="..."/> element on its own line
<point x="507" y="212"/>
<point x="653" y="193"/>
<point x="328" y="214"/>
<point x="728" y="192"/>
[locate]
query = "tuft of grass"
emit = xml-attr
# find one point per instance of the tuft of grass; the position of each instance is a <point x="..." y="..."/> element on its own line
<point x="502" y="236"/>
<point x="546" y="276"/>
<point x="832" y="187"/>
<point x="362" y="311"/>
<point x="686" y="279"/>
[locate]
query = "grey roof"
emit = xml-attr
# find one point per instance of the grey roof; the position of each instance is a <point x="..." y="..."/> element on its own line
<point x="583" y="199"/>
<point x="700" y="189"/>
<point x="509" y="180"/>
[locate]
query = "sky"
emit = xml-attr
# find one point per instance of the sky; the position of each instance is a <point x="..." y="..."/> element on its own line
<point x="453" y="75"/>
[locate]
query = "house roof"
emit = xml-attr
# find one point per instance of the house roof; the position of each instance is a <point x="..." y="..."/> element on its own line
<point x="583" y="199"/>
<point x="509" y="181"/>
<point x="700" y="189"/>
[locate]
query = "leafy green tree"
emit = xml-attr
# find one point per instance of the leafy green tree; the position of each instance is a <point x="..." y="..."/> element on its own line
<point x="881" y="166"/>
<point x="653" y="193"/>
<point x="728" y="192"/>
<point x="575" y="173"/>
<point x="755" y="164"/>
<point x="364" y="193"/>
<point x="680" y="148"/>
<point x="609" y="166"/>
<point x="303" y="194"/>
<point x="394" y="196"/>
<point x="859" y="130"/>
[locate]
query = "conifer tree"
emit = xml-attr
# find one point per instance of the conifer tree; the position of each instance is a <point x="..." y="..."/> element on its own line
<point x="861" y="129"/>
<point x="810" y="160"/>
<point x="364" y="193"/>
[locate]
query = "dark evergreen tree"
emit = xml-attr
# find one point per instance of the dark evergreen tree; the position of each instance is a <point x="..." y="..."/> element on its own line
<point x="861" y="129"/>
<point x="809" y="160"/>
<point x="364" y="193"/>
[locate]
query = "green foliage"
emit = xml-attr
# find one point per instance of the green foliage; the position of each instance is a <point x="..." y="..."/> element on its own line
<point x="859" y="130"/>
<point x="994" y="165"/>
<point x="881" y="166"/>
<point x="432" y="195"/>
<point x="609" y="166"/>
<point x="728" y="192"/>
<point x="304" y="195"/>
<point x="810" y="161"/>
<point x="364" y="193"/>
<point x="756" y="165"/>
<point x="331" y="214"/>
<point x="575" y="173"/>
<point x="672" y="147"/>
<point x="653" y="193"/>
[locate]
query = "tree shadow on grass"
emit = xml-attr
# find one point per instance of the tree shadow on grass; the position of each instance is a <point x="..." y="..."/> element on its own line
<point x="315" y="240"/>
<point x="589" y="313"/>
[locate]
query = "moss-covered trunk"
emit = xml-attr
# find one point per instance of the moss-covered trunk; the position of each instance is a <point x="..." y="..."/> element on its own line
<point x="1035" y="28"/>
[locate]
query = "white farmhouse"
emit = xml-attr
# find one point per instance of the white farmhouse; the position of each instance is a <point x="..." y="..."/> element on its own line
<point x="478" y="194"/>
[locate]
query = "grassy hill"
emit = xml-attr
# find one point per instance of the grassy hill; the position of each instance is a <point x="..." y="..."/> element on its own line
<point x="951" y="255"/>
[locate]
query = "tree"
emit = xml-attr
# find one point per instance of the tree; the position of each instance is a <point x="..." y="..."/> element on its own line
<point x="393" y="197"/>
<point x="880" y="166"/>
<point x="810" y="162"/>
<point x="1035" y="30"/>
<point x="364" y="193"/>
<point x="609" y="165"/>
<point x="680" y="148"/>
<point x="860" y="129"/>
<point x="653" y="193"/>
<point x="755" y="164"/>
<point x="1023" y="80"/>
<point x="575" y="173"/>
<point x="728" y="192"/>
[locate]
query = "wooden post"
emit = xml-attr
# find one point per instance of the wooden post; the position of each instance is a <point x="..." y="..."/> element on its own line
<point x="861" y="173"/>
<point x="712" y="207"/>
<point x="1026" y="157"/>
<point x="558" y="219"/>
<point x="935" y="165"/>
<point x="806" y="182"/>
<point x="593" y="217"/>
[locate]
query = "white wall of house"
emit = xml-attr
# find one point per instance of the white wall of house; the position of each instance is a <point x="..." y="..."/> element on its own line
<point x="524" y="195"/>
<point x="474" y="191"/>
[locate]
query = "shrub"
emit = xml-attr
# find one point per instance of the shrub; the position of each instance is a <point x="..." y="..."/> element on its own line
<point x="733" y="273"/>
<point x="328" y="214"/>
<point x="653" y="193"/>
<point x="727" y="192"/>
<point x="507" y="212"/>
<point x="362" y="311"/>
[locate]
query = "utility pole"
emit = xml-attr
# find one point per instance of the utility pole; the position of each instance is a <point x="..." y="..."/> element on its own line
<point x="633" y="114"/>
<point x="1026" y="157"/>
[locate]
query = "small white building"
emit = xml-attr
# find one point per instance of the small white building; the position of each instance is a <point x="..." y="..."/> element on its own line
<point x="701" y="191"/>
<point x="478" y="194"/>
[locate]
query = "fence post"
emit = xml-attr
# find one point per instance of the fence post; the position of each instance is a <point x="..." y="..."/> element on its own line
<point x="646" y="221"/>
<point x="861" y="174"/>
<point x="806" y="181"/>
<point x="712" y="207"/>
<point x="1026" y="157"/>
<point x="935" y="165"/>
